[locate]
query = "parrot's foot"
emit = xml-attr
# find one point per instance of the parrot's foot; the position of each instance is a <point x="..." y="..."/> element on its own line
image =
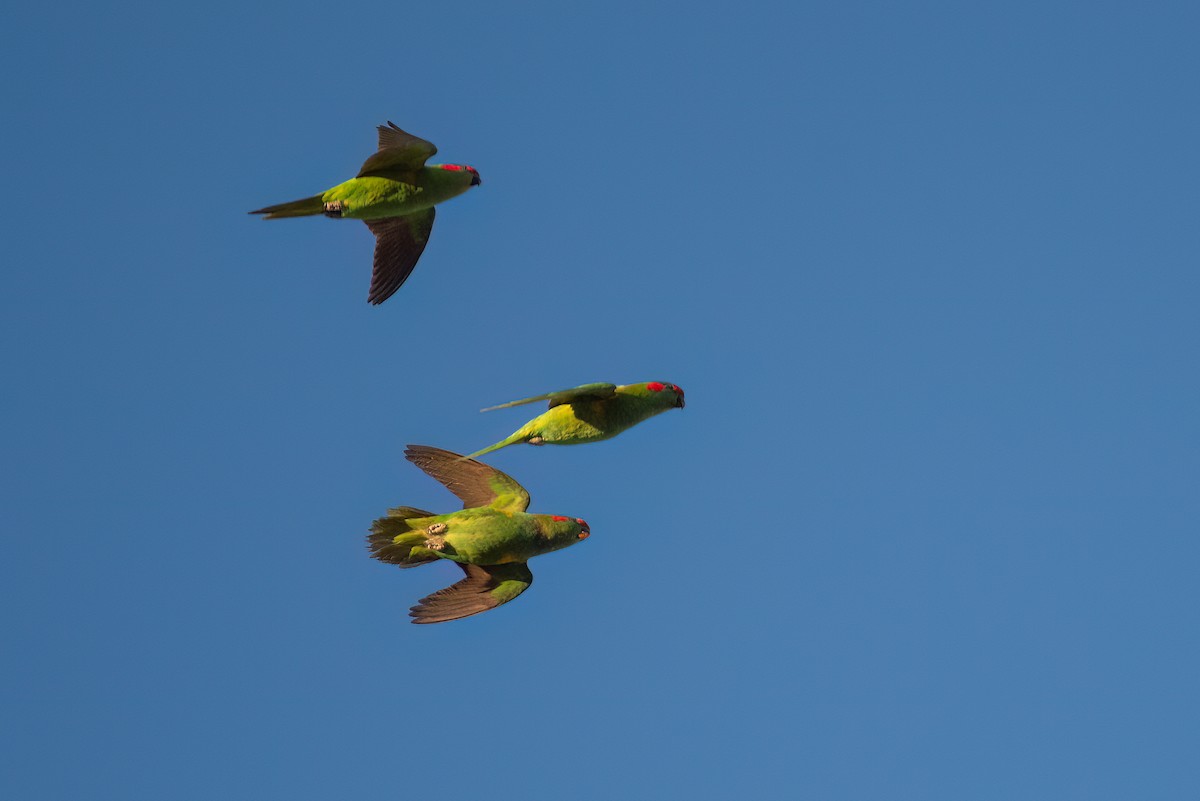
<point x="435" y="541"/>
<point x="536" y="441"/>
<point x="334" y="208"/>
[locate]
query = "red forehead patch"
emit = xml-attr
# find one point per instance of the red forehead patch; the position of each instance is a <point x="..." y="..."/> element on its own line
<point x="582" y="522"/>
<point x="677" y="389"/>
<point x="654" y="386"/>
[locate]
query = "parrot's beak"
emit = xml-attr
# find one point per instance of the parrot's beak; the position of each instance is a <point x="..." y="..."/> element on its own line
<point x="476" y="180"/>
<point x="679" y="403"/>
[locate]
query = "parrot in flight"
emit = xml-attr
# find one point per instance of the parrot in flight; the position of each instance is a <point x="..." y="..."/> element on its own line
<point x="491" y="539"/>
<point x="394" y="194"/>
<point x="589" y="413"/>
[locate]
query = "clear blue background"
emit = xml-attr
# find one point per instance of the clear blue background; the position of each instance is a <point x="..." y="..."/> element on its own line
<point x="926" y="529"/>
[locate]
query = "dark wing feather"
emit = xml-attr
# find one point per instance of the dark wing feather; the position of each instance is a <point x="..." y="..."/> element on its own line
<point x="399" y="243"/>
<point x="583" y="392"/>
<point x="398" y="152"/>
<point x="475" y="483"/>
<point x="485" y="587"/>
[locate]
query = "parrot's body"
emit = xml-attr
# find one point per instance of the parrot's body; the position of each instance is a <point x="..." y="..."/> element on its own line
<point x="491" y="539"/>
<point x="394" y="194"/>
<point x="590" y="413"/>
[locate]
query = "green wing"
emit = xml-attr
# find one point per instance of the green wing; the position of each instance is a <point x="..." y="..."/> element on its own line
<point x="484" y="588"/>
<point x="398" y="152"/>
<point x="399" y="242"/>
<point x="584" y="392"/>
<point x="475" y="483"/>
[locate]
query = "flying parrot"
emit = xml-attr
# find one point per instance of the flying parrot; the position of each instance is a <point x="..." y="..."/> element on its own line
<point x="394" y="194"/>
<point x="491" y="539"/>
<point x="590" y="413"/>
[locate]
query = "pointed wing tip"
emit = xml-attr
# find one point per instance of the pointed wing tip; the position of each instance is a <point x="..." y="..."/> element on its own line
<point x="399" y="243"/>
<point x="415" y="452"/>
<point x="483" y="588"/>
<point x="413" y="449"/>
<point x="412" y="452"/>
<point x="474" y="483"/>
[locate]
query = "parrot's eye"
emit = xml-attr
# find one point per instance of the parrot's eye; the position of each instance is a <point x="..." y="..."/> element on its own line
<point x="654" y="386"/>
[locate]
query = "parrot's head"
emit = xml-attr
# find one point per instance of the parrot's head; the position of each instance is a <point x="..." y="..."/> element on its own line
<point x="563" y="531"/>
<point x="669" y="396"/>
<point x="469" y="173"/>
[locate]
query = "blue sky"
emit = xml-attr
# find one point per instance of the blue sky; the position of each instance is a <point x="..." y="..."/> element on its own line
<point x="926" y="528"/>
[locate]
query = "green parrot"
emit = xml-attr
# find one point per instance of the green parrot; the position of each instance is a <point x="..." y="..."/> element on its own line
<point x="590" y="413"/>
<point x="491" y="539"/>
<point x="394" y="194"/>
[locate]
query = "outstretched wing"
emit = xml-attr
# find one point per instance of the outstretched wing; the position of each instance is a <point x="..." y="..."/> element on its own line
<point x="475" y="483"/>
<point x="399" y="242"/>
<point x="484" y="588"/>
<point x="398" y="152"/>
<point x="584" y="392"/>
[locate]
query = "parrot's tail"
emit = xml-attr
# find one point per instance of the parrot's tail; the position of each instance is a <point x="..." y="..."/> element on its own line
<point x="504" y="443"/>
<point x="393" y="538"/>
<point x="297" y="208"/>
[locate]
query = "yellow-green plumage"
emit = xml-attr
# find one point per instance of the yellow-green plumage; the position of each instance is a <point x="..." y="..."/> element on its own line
<point x="483" y="536"/>
<point x="491" y="538"/>
<point x="590" y="413"/>
<point x="394" y="193"/>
